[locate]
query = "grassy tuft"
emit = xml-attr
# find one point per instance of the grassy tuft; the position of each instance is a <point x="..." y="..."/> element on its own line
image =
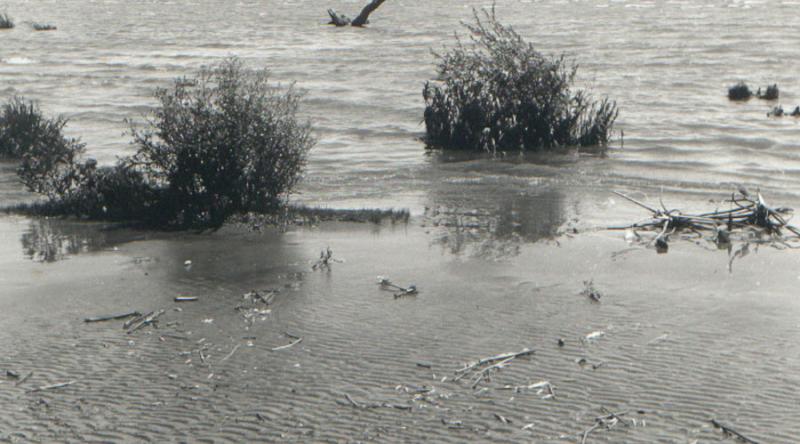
<point x="500" y="94"/>
<point x="5" y="21"/>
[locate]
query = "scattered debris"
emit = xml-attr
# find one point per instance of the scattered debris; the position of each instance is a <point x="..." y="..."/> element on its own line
<point x="593" y="336"/>
<point x="483" y="367"/>
<point x="387" y="284"/>
<point x="297" y="340"/>
<point x="424" y="364"/>
<point x="112" y="317"/>
<point x="148" y="319"/>
<point x="561" y="342"/>
<point x="325" y="260"/>
<point x="590" y="291"/>
<point x="748" y="216"/>
<point x="729" y="431"/>
<point x="185" y="298"/>
<point x="502" y="418"/>
<point x="543" y="388"/>
<point x="608" y="421"/>
<point x="24" y="378"/>
<point x="374" y="405"/>
<point x="12" y="374"/>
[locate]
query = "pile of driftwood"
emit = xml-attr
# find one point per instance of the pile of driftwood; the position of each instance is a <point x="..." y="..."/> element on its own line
<point x="746" y="215"/>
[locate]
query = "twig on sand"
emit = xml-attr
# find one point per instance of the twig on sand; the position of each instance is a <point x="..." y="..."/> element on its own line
<point x="231" y="353"/>
<point x="297" y="340"/>
<point x="52" y="386"/>
<point x="729" y="431"/>
<point x="374" y="405"/>
<point x="608" y="421"/>
<point x="490" y="360"/>
<point x="148" y="320"/>
<point x="24" y="378"/>
<point x="112" y="317"/>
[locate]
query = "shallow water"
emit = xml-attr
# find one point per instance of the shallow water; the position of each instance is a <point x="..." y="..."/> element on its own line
<point x="668" y="65"/>
<point x="491" y="245"/>
<point x="684" y="340"/>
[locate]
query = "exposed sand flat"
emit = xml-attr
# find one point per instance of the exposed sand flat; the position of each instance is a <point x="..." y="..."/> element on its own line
<point x="684" y="340"/>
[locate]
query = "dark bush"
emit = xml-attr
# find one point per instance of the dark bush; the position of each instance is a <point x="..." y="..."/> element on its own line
<point x="739" y="91"/>
<point x="23" y="126"/>
<point x="6" y="22"/>
<point x="223" y="143"/>
<point x="501" y="94"/>
<point x="772" y="93"/>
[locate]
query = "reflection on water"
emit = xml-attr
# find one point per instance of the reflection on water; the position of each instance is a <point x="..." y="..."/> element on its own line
<point x="493" y="225"/>
<point x="51" y="240"/>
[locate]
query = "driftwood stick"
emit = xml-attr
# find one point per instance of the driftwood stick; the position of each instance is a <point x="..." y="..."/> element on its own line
<point x="652" y="210"/>
<point x="352" y="401"/>
<point x="51" y="387"/>
<point x="491" y="359"/>
<point x="292" y="344"/>
<point x="730" y="431"/>
<point x="112" y="317"/>
<point x="146" y="321"/>
<point x="231" y="353"/>
<point x="485" y="372"/>
<point x="130" y="322"/>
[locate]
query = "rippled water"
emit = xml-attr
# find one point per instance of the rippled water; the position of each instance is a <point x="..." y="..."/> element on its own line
<point x="686" y="338"/>
<point x="668" y="65"/>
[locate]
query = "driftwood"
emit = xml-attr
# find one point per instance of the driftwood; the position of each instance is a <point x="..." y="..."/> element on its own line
<point x="483" y="367"/>
<point x="147" y="320"/>
<point x="297" y="340"/>
<point x="112" y="317"/>
<point x="24" y="378"/>
<point x="231" y="353"/>
<point x="374" y="405"/>
<point x="338" y="19"/>
<point x="729" y="431"/>
<point x="386" y="284"/>
<point x="51" y="387"/>
<point x="746" y="214"/>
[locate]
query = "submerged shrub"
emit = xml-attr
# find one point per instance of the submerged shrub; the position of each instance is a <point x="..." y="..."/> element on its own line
<point x="771" y="93"/>
<point x="739" y="91"/>
<point x="5" y="21"/>
<point x="225" y="142"/>
<point x="501" y="94"/>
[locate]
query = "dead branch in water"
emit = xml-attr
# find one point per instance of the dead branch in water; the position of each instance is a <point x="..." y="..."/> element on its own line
<point x="729" y="431"/>
<point x="747" y="215"/>
<point x="362" y="19"/>
<point x="112" y="317"/>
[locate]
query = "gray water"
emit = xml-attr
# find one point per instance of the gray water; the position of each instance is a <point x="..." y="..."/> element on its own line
<point x="667" y="64"/>
<point x="688" y="336"/>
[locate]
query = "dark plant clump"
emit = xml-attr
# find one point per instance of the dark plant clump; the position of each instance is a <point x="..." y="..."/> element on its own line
<point x="221" y="144"/>
<point x="226" y="142"/>
<point x="44" y="27"/>
<point x="739" y="91"/>
<point x="771" y="93"/>
<point x="24" y="129"/>
<point x="501" y="94"/>
<point x="6" y="22"/>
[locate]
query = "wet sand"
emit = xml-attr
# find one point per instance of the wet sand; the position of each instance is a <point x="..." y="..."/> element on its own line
<point x="684" y="340"/>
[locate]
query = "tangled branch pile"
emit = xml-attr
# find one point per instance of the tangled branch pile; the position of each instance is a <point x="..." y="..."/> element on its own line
<point x="500" y="94"/>
<point x="747" y="214"/>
